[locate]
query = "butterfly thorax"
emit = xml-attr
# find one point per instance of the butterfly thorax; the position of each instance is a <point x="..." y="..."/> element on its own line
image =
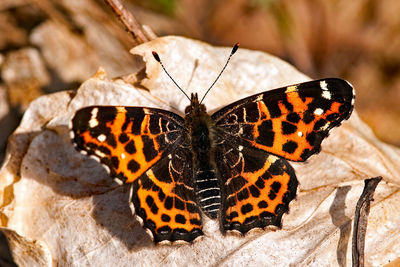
<point x="201" y="136"/>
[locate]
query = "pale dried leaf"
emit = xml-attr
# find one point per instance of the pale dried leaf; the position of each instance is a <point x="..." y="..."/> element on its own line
<point x="24" y="73"/>
<point x="67" y="203"/>
<point x="63" y="49"/>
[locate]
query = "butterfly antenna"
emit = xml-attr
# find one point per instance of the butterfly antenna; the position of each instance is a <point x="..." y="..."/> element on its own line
<point x="157" y="57"/>
<point x="234" y="49"/>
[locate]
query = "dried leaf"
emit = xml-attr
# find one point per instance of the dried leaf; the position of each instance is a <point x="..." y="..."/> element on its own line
<point x="66" y="203"/>
<point x="24" y="73"/>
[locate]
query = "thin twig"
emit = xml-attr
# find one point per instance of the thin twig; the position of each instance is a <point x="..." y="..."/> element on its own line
<point x="361" y="220"/>
<point x="139" y="34"/>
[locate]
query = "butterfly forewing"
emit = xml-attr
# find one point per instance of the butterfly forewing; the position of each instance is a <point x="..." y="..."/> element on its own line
<point x="290" y="122"/>
<point x="128" y="140"/>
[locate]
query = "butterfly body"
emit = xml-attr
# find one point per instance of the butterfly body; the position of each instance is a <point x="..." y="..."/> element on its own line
<point x="230" y="165"/>
<point x="201" y="135"/>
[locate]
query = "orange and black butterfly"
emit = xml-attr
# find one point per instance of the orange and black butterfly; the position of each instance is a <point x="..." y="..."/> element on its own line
<point x="230" y="165"/>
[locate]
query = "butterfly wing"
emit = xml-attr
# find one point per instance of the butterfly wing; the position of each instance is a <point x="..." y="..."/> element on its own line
<point x="145" y="147"/>
<point x="165" y="199"/>
<point x="257" y="187"/>
<point x="290" y="122"/>
<point x="128" y="140"/>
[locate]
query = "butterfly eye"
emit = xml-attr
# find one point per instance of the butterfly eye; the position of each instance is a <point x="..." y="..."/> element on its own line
<point x="188" y="109"/>
<point x="203" y="108"/>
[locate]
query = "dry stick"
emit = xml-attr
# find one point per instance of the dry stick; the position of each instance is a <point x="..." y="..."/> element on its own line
<point x="130" y="23"/>
<point x="361" y="220"/>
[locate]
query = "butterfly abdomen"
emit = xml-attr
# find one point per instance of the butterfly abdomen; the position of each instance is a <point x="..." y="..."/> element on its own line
<point x="204" y="167"/>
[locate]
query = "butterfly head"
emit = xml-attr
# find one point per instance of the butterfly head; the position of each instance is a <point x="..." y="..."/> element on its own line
<point x="195" y="107"/>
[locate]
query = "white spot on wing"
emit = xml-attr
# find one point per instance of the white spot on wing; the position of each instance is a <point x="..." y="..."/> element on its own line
<point x="148" y="231"/>
<point x="95" y="157"/>
<point x="259" y="98"/>
<point x="323" y="128"/>
<point x="70" y="125"/>
<point x="118" y="181"/>
<point x="324" y="85"/>
<point x="100" y="154"/>
<point x="140" y="220"/>
<point x="164" y="243"/>
<point x="121" y="109"/>
<point x="107" y="168"/>
<point x="326" y="95"/>
<point x="292" y="88"/>
<point x="272" y="159"/>
<point x="101" y="138"/>
<point x="300" y="134"/>
<point x="318" y="111"/>
<point x="353" y="93"/>
<point x="93" y="122"/>
<point x="123" y="156"/>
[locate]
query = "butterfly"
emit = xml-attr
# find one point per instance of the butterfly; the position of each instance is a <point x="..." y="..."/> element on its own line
<point x="231" y="165"/>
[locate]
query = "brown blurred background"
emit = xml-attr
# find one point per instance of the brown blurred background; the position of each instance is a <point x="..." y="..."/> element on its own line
<point x="52" y="45"/>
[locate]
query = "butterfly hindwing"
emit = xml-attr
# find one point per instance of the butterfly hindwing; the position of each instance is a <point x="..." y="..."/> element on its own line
<point x="257" y="187"/>
<point x="165" y="199"/>
<point x="292" y="121"/>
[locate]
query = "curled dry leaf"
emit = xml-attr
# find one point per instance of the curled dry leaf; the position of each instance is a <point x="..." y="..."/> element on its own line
<point x="65" y="204"/>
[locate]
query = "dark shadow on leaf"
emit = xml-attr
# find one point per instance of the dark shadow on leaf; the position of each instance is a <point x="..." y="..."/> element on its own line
<point x="50" y="159"/>
<point x="340" y="220"/>
<point x="6" y="259"/>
